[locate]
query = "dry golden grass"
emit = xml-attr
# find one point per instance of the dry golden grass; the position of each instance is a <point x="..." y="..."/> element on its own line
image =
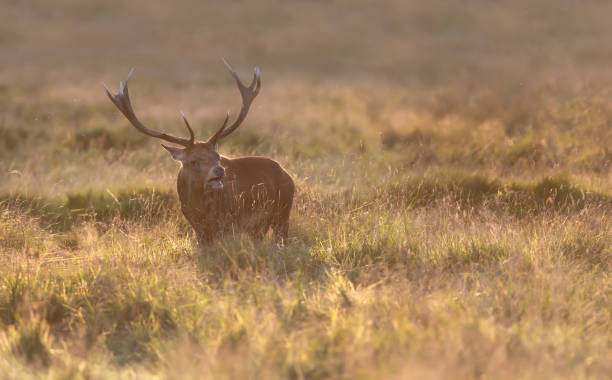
<point x="453" y="214"/>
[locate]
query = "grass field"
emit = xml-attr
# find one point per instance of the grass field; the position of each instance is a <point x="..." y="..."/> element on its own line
<point x="453" y="216"/>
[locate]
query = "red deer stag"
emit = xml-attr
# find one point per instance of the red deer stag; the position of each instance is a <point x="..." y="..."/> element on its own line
<point x="221" y="195"/>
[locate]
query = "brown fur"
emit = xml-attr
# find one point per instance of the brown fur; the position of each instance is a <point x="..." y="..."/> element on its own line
<point x="257" y="195"/>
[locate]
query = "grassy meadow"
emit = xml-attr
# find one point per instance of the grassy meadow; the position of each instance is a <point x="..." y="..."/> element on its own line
<point x="453" y="216"/>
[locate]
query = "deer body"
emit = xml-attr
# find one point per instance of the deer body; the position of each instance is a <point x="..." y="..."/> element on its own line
<point x="257" y="195"/>
<point x="223" y="196"/>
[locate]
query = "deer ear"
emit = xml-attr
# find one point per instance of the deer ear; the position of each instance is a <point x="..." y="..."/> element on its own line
<point x="176" y="153"/>
<point x="216" y="147"/>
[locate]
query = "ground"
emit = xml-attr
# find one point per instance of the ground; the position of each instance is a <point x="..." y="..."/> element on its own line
<point x="453" y="208"/>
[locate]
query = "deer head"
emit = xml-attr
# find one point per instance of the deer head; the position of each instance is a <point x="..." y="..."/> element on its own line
<point x="200" y="160"/>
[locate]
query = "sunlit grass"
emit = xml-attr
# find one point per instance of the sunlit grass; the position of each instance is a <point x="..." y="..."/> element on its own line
<point x="372" y="288"/>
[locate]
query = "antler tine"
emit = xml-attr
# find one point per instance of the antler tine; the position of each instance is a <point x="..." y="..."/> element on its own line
<point x="191" y="135"/>
<point x="121" y="100"/>
<point x="215" y="137"/>
<point x="247" y="93"/>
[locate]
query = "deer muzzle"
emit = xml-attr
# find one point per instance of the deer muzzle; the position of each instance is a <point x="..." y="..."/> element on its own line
<point x="215" y="177"/>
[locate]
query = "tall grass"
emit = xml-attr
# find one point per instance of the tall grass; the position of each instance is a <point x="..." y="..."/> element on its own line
<point x="452" y="217"/>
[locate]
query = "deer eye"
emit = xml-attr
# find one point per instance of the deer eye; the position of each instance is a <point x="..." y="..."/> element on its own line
<point x="193" y="162"/>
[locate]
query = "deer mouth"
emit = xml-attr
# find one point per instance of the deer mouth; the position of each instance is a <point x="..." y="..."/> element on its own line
<point x="215" y="182"/>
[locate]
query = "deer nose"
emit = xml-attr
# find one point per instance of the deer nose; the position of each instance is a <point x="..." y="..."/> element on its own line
<point x="219" y="171"/>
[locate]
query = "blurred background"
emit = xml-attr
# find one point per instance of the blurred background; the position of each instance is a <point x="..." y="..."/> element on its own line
<point x="476" y="44"/>
<point x="403" y="74"/>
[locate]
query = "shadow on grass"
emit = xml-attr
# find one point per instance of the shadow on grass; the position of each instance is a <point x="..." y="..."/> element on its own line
<point x="242" y="256"/>
<point x="550" y="194"/>
<point x="145" y="205"/>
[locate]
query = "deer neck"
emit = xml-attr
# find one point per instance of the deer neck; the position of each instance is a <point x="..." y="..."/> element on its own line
<point x="198" y="198"/>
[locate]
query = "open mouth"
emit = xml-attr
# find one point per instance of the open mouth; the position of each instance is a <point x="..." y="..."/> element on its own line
<point x="215" y="183"/>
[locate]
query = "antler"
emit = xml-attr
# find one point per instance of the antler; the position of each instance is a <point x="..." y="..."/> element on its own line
<point x="248" y="94"/>
<point x="122" y="101"/>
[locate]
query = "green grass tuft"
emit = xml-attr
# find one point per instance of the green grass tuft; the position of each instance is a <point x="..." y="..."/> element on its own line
<point x="30" y="341"/>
